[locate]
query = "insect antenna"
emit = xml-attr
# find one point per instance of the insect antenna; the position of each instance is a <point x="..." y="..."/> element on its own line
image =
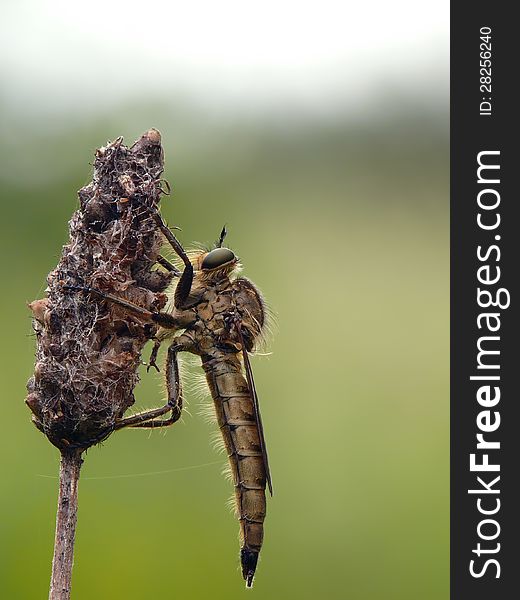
<point x="222" y="237"/>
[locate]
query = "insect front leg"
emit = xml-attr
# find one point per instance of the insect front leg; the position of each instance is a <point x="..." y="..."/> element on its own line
<point x="182" y="291"/>
<point x="146" y="419"/>
<point x="166" y="264"/>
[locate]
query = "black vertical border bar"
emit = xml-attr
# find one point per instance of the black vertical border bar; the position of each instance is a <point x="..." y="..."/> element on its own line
<point x="472" y="133"/>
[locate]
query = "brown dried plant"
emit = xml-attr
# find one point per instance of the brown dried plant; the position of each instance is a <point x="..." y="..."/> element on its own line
<point x="88" y="352"/>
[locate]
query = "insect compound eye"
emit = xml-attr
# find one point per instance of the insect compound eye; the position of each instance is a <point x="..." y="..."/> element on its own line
<point x="217" y="258"/>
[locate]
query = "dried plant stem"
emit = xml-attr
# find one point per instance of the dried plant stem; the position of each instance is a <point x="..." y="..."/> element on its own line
<point x="66" y="518"/>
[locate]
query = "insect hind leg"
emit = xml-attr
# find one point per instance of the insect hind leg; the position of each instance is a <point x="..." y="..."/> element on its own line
<point x="147" y="419"/>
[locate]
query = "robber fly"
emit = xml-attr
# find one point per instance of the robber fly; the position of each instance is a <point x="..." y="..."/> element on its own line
<point x="219" y="317"/>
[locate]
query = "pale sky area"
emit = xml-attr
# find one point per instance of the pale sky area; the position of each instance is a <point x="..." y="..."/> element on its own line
<point x="227" y="55"/>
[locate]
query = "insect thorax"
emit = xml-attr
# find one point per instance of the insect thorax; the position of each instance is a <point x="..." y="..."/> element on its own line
<point x="221" y="307"/>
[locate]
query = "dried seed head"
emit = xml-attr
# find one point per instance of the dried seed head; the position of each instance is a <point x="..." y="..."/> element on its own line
<point x="38" y="308"/>
<point x="88" y="350"/>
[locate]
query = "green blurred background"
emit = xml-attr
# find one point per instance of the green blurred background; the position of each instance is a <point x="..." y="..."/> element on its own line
<point x="342" y="221"/>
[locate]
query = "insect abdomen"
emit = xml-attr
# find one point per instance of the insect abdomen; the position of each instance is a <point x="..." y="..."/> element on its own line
<point x="236" y="419"/>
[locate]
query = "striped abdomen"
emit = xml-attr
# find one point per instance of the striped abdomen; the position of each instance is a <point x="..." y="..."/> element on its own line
<point x="236" y="418"/>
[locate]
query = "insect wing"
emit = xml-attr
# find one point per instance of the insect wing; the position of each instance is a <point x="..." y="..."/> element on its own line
<point x="252" y="388"/>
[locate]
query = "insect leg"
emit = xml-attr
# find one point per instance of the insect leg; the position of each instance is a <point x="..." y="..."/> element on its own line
<point x="161" y="318"/>
<point x="142" y="417"/>
<point x="164" y="262"/>
<point x="153" y="356"/>
<point x="182" y="291"/>
<point x="168" y="234"/>
<point x="174" y="404"/>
